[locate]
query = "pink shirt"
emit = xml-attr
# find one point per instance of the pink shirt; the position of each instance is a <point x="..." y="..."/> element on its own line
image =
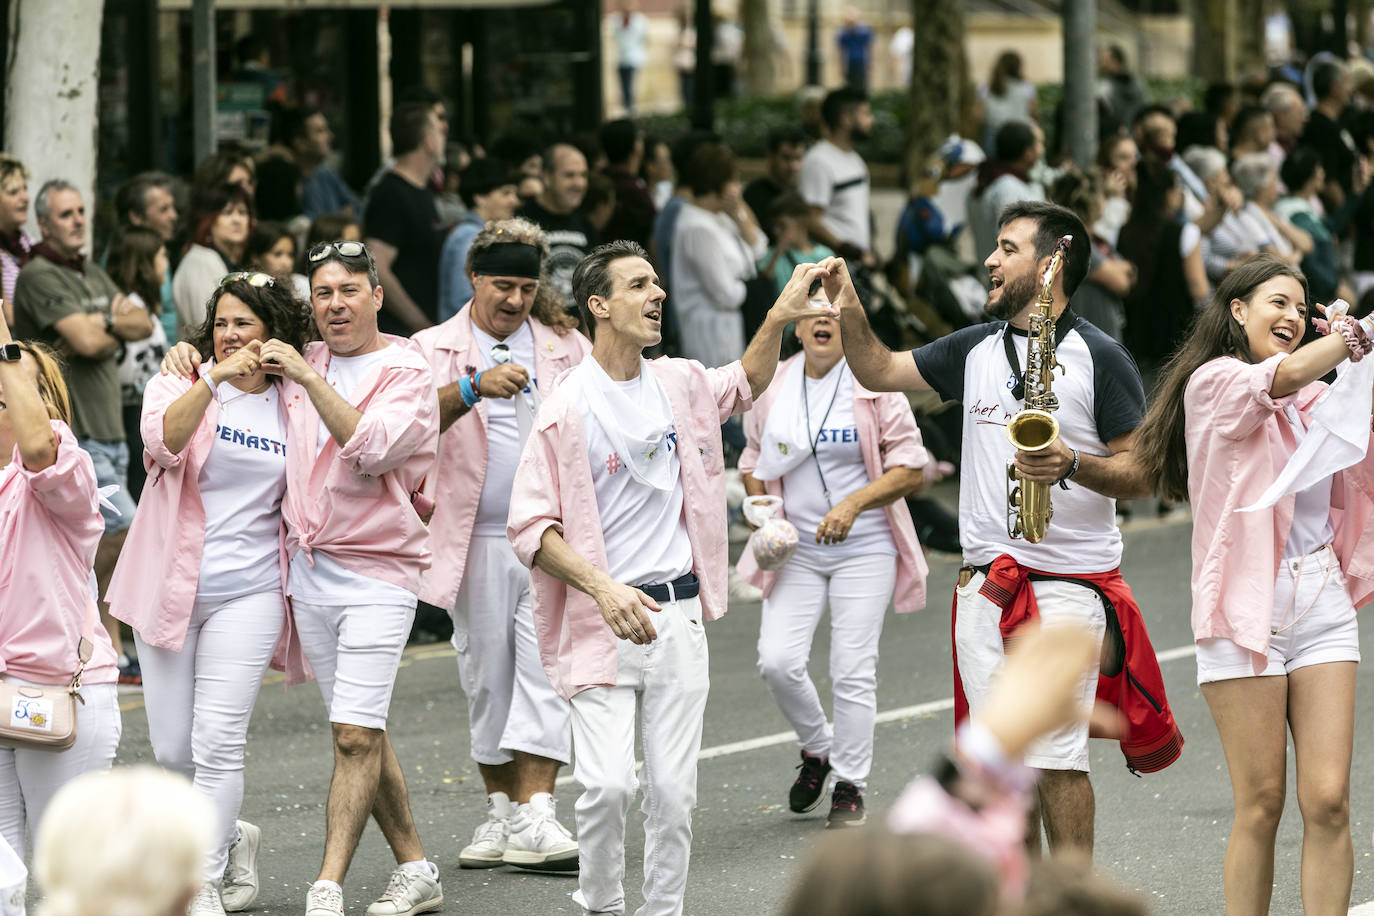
<point x="355" y="503"/>
<point x="156" y="580"/>
<point x="461" y="469"/>
<point x="553" y="489"/>
<point x="1238" y="441"/>
<point x="888" y="438"/>
<point x="50" y="526"/>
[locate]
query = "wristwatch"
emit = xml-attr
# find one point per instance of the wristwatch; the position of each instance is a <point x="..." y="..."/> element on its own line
<point x="10" y="353"/>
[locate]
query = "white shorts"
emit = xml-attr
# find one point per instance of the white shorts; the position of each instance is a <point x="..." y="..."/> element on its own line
<point x="355" y="650"/>
<point x="1325" y="629"/>
<point x="978" y="638"/>
<point x="511" y="704"/>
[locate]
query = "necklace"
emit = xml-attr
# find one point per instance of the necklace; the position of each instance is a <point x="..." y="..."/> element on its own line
<point x="815" y="440"/>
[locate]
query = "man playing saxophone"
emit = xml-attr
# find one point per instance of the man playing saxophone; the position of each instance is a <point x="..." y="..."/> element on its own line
<point x="1071" y="574"/>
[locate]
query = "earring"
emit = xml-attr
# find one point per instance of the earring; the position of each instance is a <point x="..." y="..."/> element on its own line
<point x="1241" y="323"/>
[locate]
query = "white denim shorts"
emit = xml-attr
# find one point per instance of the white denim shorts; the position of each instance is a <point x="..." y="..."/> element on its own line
<point x="1311" y="591"/>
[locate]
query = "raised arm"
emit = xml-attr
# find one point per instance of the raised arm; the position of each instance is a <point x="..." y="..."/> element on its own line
<point x="33" y="434"/>
<point x="875" y="366"/>
<point x="760" y="360"/>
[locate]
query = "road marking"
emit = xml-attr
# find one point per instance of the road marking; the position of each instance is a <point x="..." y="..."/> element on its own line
<point x="891" y="715"/>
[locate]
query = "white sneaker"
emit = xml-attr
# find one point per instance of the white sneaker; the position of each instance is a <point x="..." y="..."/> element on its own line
<point x="409" y="891"/>
<point x="206" y="902"/>
<point x="537" y="840"/>
<point x="240" y="885"/>
<point x="323" y="900"/>
<point x="489" y="839"/>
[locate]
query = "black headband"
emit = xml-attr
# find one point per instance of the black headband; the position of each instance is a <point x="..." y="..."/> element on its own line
<point x="508" y="259"/>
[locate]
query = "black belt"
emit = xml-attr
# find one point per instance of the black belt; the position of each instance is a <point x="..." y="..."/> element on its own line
<point x="679" y="589"/>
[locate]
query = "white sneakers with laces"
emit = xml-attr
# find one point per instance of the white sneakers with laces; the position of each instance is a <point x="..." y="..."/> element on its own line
<point x="410" y="891"/>
<point x="537" y="841"/>
<point x="324" y="899"/>
<point x="240" y="887"/>
<point x="206" y="902"/>
<point x="488" y="844"/>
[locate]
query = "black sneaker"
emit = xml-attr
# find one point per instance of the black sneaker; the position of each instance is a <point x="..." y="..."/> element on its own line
<point x="846" y="806"/>
<point x="810" y="785"/>
<point x="131" y="675"/>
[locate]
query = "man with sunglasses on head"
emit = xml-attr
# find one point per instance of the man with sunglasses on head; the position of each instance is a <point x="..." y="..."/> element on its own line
<point x="618" y="507"/>
<point x="362" y="433"/>
<point x="492" y="362"/>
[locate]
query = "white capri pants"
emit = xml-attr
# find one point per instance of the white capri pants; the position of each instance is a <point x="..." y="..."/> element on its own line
<point x="978" y="637"/>
<point x="355" y="651"/>
<point x="857" y="590"/>
<point x="200" y="700"/>
<point x="1313" y="614"/>
<point x="29" y="779"/>
<point x="511" y="704"/>
<point x="670" y="678"/>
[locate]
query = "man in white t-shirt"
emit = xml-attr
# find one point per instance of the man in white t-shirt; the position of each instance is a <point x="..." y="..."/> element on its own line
<point x="363" y="431"/>
<point x="1101" y="402"/>
<point x="834" y="178"/>
<point x="492" y="362"/>
<point x="619" y="508"/>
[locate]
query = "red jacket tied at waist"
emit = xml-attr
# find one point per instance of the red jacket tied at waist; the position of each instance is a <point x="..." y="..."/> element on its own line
<point x="1133" y="685"/>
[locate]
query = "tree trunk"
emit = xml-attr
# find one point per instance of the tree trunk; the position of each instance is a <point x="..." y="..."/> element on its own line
<point x="51" y="80"/>
<point x="1250" y="55"/>
<point x="1215" y="39"/>
<point x="758" y="48"/>
<point x="940" y="90"/>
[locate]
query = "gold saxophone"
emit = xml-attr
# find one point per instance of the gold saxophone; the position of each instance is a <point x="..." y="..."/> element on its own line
<point x="1034" y="427"/>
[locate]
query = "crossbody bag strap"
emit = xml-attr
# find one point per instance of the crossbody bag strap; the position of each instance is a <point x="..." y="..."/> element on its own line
<point x="84" y="648"/>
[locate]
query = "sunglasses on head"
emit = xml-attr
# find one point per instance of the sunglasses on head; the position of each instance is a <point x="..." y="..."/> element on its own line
<point x="346" y="249"/>
<point x="253" y="278"/>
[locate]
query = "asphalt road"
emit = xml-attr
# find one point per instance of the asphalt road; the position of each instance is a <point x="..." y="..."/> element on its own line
<point x="1163" y="834"/>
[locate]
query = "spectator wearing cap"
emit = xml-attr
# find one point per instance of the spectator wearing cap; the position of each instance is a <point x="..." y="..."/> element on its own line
<point x="489" y="191"/>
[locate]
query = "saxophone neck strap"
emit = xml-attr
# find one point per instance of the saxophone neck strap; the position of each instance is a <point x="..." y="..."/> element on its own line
<point x="1062" y="326"/>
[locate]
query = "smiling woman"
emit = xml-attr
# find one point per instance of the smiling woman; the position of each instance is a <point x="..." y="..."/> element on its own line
<point x="1228" y="415"/>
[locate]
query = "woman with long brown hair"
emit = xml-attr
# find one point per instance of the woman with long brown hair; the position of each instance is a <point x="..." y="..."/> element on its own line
<point x="1274" y="591"/>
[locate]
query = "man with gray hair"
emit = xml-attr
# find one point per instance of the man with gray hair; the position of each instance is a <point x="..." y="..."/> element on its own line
<point x="1285" y="103"/>
<point x="66" y="301"/>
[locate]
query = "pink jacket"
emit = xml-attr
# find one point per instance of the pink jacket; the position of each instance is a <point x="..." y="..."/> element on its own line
<point x="50" y="526"/>
<point x="553" y="489"/>
<point x="156" y="581"/>
<point x="1238" y="442"/>
<point x="461" y="469"/>
<point x="355" y="503"/>
<point x="888" y="438"/>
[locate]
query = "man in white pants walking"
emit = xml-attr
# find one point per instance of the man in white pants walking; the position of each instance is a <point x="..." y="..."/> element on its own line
<point x="492" y="362"/>
<point x="620" y="493"/>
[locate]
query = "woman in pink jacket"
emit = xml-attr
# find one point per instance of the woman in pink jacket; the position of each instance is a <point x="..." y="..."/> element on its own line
<point x="1274" y="590"/>
<point x="49" y="527"/>
<point x="842" y="458"/>
<point x="200" y="579"/>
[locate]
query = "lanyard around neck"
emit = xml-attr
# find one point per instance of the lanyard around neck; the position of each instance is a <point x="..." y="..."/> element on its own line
<point x="815" y="440"/>
<point x="1062" y="325"/>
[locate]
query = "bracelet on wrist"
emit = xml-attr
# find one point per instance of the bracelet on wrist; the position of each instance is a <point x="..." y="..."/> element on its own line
<point x="465" y="391"/>
<point x="1355" y="337"/>
<point x="1073" y="469"/>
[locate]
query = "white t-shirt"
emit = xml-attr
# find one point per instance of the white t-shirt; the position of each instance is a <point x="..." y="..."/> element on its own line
<point x="503" y="433"/>
<point x="1312" y="508"/>
<point x="645" y="535"/>
<point x="141" y="359"/>
<point x="838" y="181"/>
<point x="830" y="402"/>
<point x="327" y="582"/>
<point x="241" y="485"/>
<point x="1100" y="398"/>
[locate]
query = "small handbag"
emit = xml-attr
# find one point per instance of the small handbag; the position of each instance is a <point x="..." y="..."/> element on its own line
<point x="42" y="718"/>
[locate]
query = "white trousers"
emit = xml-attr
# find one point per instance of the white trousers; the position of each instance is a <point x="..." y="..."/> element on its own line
<point x="200" y="699"/>
<point x="511" y="704"/>
<point x="978" y="637"/>
<point x="857" y="591"/>
<point x="670" y="678"/>
<point x="29" y="779"/>
<point x="355" y="651"/>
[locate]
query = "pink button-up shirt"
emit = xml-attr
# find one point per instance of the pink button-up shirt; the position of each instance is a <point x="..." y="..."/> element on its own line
<point x="1238" y="441"/>
<point x="553" y="489"/>
<point x="50" y="526"/>
<point x="156" y="581"/>
<point x="888" y="438"/>
<point x="355" y="503"/>
<point x="461" y="470"/>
